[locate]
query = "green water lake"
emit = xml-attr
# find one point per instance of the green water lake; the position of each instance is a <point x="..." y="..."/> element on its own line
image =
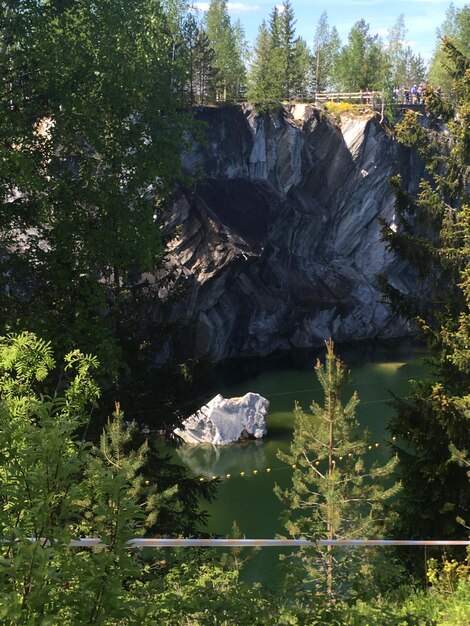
<point x="375" y="371"/>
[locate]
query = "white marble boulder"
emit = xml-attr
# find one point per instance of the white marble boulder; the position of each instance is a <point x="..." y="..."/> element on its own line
<point x="223" y="421"/>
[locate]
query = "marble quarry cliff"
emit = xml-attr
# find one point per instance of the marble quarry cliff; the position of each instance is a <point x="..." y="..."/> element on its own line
<point x="276" y="241"/>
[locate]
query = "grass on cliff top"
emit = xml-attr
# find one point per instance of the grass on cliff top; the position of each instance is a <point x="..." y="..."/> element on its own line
<point x="340" y="108"/>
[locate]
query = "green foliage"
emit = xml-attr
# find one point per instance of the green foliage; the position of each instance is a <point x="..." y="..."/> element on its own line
<point x="446" y="602"/>
<point x="456" y="28"/>
<point x="448" y="575"/>
<point x="90" y="138"/>
<point x="56" y="487"/>
<point x="228" y="42"/>
<point x="326" y="47"/>
<point x="206" y="71"/>
<point x="301" y="71"/>
<point x="405" y="67"/>
<point x="432" y="425"/>
<point x="335" y="493"/>
<point x="262" y="86"/>
<point x="281" y="66"/>
<point x="361" y="61"/>
<point x="197" y="594"/>
<point x="285" y="32"/>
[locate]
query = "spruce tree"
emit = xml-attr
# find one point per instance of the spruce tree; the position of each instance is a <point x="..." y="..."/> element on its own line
<point x="277" y="61"/>
<point x="432" y="233"/>
<point x="287" y="47"/>
<point x="337" y="492"/>
<point x="282" y="65"/>
<point x="262" y="86"/>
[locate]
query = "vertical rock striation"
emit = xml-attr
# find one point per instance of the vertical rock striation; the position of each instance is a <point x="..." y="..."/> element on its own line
<point x="278" y="241"/>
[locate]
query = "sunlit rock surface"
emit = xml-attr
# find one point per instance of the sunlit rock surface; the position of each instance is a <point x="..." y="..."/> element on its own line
<point x="277" y="244"/>
<point x="223" y="421"/>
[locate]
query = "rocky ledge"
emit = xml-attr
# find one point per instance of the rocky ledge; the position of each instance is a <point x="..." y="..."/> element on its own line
<point x="278" y="241"/>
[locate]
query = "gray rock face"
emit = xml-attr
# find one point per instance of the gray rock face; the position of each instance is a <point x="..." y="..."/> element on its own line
<point x="223" y="421"/>
<point x="279" y="243"/>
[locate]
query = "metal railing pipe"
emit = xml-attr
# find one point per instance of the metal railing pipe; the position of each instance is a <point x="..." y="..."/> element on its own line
<point x="90" y="542"/>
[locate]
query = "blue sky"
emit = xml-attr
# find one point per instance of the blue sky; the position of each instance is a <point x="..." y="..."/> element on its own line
<point x="422" y="17"/>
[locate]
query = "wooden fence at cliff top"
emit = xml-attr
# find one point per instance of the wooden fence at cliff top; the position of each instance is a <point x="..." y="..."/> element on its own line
<point x="361" y="97"/>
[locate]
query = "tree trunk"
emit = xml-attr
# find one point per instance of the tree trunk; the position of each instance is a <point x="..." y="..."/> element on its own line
<point x="329" y="554"/>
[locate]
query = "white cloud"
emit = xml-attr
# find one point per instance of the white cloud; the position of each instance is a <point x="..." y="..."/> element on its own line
<point x="242" y="7"/>
<point x="233" y="7"/>
<point x="359" y="3"/>
<point x="280" y="8"/>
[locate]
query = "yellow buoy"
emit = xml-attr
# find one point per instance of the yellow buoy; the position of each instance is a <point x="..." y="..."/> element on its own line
<point x="268" y="469"/>
<point x="294" y="465"/>
<point x="242" y="473"/>
<point x="255" y="471"/>
<point x="228" y="475"/>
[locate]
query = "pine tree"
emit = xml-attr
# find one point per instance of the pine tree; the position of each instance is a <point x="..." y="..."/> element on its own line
<point x="432" y="237"/>
<point x="50" y="494"/>
<point x="336" y="491"/>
